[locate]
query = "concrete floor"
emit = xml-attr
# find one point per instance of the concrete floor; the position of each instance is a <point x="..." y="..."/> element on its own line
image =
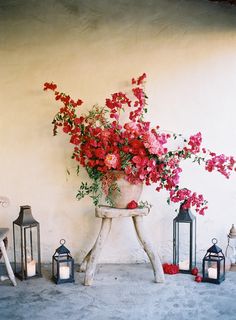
<point x="120" y="292"/>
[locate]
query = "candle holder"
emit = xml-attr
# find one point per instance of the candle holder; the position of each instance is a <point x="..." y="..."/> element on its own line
<point x="184" y="240"/>
<point x="213" y="265"/>
<point x="62" y="265"/>
<point x="26" y="240"/>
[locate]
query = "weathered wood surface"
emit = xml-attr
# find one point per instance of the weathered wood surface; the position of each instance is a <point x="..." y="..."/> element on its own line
<point x="83" y="266"/>
<point x="153" y="257"/>
<point x="107" y="214"/>
<point x="7" y="263"/>
<point x="96" y="250"/>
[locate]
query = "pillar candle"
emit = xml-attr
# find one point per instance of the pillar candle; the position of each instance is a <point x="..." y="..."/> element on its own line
<point x="64" y="272"/>
<point x="31" y="268"/>
<point x="212" y="273"/>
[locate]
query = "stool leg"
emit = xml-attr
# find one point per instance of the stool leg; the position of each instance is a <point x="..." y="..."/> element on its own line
<point x="96" y="250"/>
<point x="82" y="267"/>
<point x="7" y="263"/>
<point x="154" y="258"/>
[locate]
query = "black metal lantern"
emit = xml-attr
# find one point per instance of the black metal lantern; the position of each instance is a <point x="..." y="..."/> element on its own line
<point x="213" y="265"/>
<point x="184" y="240"/>
<point x="26" y="238"/>
<point x="62" y="265"/>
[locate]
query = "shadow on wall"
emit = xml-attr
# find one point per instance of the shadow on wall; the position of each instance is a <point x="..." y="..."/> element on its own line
<point x="90" y="16"/>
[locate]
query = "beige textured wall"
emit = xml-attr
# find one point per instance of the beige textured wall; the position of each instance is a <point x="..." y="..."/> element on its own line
<point x="91" y="49"/>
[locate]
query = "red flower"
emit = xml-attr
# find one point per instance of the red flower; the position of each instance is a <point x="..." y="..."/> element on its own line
<point x="198" y="279"/>
<point x="67" y="128"/>
<point x="79" y="120"/>
<point x="132" y="205"/>
<point x="49" y="86"/>
<point x="194" y="271"/>
<point x="79" y="102"/>
<point x="75" y="140"/>
<point x="100" y="153"/>
<point x="170" y="268"/>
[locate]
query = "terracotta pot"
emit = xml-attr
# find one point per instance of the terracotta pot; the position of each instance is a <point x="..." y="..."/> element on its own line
<point x="126" y="191"/>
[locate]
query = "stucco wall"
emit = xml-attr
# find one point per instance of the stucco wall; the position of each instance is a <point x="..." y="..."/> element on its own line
<point x="91" y="49"/>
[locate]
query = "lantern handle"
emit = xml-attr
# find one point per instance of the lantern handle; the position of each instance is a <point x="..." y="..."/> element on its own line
<point x="214" y="241"/>
<point x="62" y="241"/>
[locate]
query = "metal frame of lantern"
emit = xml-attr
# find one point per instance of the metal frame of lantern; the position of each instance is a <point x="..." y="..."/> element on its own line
<point x="185" y="217"/>
<point x="27" y="257"/>
<point x="231" y="246"/>
<point x="62" y="265"/>
<point x="213" y="264"/>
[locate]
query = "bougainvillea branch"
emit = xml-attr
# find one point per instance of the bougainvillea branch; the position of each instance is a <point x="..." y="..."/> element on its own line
<point x="102" y="144"/>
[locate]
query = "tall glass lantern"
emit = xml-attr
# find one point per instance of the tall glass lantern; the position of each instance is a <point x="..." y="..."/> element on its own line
<point x="26" y="238"/>
<point x="184" y="240"/>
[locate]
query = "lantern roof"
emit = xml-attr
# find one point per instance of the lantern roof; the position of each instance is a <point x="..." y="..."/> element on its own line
<point x="214" y="249"/>
<point x="184" y="215"/>
<point x="62" y="249"/>
<point x="25" y="217"/>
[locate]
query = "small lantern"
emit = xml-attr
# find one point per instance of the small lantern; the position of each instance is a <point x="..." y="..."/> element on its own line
<point x="26" y="238"/>
<point x="231" y="247"/>
<point x="184" y="240"/>
<point x="213" y="265"/>
<point x="62" y="265"/>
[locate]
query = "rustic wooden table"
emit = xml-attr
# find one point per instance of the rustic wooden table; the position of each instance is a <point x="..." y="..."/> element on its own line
<point x="107" y="214"/>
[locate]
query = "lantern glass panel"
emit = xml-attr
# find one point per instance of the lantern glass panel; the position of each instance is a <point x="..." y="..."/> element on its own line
<point x="65" y="269"/>
<point x="214" y="269"/>
<point x="18" y="253"/>
<point x="31" y="240"/>
<point x="210" y="267"/>
<point x="222" y="268"/>
<point x="184" y="245"/>
<point x="54" y="265"/>
<point x="26" y="251"/>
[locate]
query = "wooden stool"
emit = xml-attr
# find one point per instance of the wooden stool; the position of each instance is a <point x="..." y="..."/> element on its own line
<point x="3" y="234"/>
<point x="107" y="214"/>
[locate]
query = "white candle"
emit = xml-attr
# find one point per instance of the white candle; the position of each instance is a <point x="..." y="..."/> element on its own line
<point x="64" y="272"/>
<point x="31" y="268"/>
<point x="184" y="265"/>
<point x="212" y="273"/>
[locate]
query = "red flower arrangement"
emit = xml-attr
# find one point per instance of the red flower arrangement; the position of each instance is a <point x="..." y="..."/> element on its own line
<point x="102" y="144"/>
<point x="170" y="268"/>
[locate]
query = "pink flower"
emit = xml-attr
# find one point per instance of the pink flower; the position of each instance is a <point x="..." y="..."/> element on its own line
<point x="152" y="144"/>
<point x="111" y="161"/>
<point x="131" y="126"/>
<point x="195" y="143"/>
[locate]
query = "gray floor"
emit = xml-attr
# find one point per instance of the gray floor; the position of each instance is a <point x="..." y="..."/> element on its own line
<point x="120" y="292"/>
